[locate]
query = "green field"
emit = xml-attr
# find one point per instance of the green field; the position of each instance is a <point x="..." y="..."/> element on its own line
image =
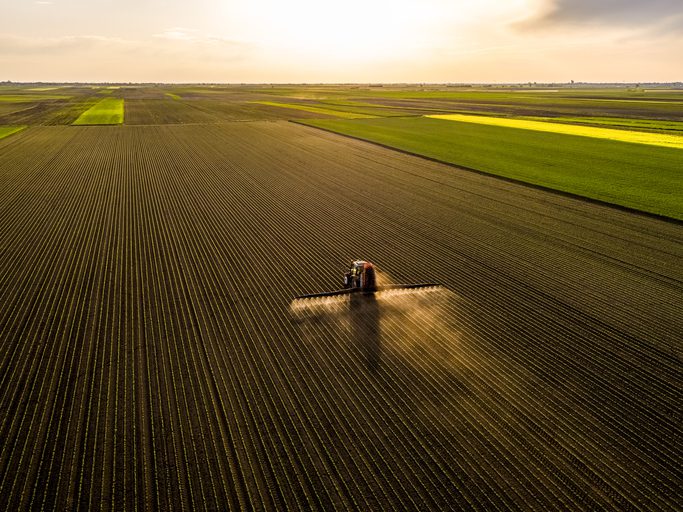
<point x="42" y="89"/>
<point x="106" y="111"/>
<point x="646" y="178"/>
<point x="30" y="98"/>
<point x="653" y="139"/>
<point x="6" y="131"/>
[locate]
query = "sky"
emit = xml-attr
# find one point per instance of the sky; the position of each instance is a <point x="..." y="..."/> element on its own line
<point x="312" y="41"/>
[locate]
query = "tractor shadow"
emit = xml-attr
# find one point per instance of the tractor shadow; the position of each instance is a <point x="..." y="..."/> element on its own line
<point x="409" y="348"/>
<point x="366" y="334"/>
<point x="376" y="328"/>
<point x="355" y="320"/>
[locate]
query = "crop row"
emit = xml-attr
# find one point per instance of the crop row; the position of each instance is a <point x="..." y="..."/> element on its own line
<point x="150" y="358"/>
<point x="192" y="111"/>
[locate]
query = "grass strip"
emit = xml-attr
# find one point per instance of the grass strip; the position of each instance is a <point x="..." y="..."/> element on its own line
<point x="637" y="176"/>
<point x="106" y="111"/>
<point x="654" y="139"/>
<point x="6" y="131"/>
<point x="30" y="98"/>
<point x="318" y="110"/>
<point x="42" y="89"/>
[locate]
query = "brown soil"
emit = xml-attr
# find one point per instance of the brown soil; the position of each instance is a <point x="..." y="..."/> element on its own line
<point x="149" y="357"/>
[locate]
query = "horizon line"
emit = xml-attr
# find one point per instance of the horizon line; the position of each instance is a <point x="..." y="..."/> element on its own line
<point x="417" y="83"/>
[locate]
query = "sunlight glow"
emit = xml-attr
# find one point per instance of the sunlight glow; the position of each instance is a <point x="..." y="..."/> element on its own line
<point x="352" y="41"/>
<point x="358" y="32"/>
<point x="355" y="29"/>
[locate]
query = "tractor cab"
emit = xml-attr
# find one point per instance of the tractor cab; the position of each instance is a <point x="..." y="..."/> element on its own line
<point x="361" y="275"/>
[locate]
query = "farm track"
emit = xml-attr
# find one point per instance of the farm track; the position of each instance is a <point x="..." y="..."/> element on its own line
<point x="149" y="358"/>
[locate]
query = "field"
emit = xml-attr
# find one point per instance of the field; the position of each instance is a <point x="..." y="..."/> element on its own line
<point x="6" y="131"/>
<point x="650" y="104"/>
<point x="646" y="178"/>
<point x="106" y="111"/>
<point x="318" y="110"/>
<point x="28" y="98"/>
<point x="635" y="137"/>
<point x="641" y="125"/>
<point x="152" y="356"/>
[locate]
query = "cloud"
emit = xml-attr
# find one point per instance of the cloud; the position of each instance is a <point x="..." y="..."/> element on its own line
<point x="177" y="34"/>
<point x="97" y="58"/>
<point x="665" y="15"/>
<point x="188" y="35"/>
<point x="170" y="42"/>
<point x="11" y="45"/>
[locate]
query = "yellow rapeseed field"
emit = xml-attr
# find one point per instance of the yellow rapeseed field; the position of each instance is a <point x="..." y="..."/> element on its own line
<point x="653" y="139"/>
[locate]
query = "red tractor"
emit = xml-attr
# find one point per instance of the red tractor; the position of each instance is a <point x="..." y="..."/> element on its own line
<point x="362" y="278"/>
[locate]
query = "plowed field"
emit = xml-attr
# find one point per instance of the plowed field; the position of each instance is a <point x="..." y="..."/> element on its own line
<point x="151" y="356"/>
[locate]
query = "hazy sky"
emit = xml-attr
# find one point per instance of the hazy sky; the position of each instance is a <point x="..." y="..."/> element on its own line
<point x="343" y="41"/>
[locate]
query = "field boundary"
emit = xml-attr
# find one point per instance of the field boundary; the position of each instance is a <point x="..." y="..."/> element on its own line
<point x="497" y="176"/>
